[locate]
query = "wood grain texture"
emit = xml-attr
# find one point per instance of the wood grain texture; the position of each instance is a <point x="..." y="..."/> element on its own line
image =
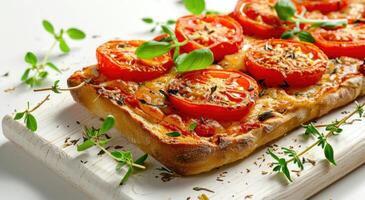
<point x="98" y="178"/>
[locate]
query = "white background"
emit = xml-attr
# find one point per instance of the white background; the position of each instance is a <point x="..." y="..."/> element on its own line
<point x="23" y="177"/>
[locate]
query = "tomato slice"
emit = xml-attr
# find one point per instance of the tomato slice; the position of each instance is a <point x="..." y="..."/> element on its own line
<point x="279" y="62"/>
<point x="324" y="6"/>
<point x="213" y="94"/>
<point x="347" y="41"/>
<point x="259" y="18"/>
<point x="221" y="34"/>
<point x="117" y="60"/>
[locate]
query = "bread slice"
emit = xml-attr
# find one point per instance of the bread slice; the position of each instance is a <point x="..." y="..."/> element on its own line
<point x="191" y="154"/>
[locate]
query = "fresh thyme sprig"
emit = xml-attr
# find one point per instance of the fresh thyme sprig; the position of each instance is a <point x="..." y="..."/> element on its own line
<point x="281" y="164"/>
<point x="98" y="138"/>
<point x="29" y="119"/>
<point x="156" y="24"/>
<point x="197" y="59"/>
<point x="57" y="89"/>
<point x="36" y="72"/>
<point x="286" y="11"/>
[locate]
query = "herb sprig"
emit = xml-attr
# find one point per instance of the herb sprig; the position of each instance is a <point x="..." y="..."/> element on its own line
<point x="57" y="89"/>
<point x="37" y="72"/>
<point x="156" y="24"/>
<point x="98" y="138"/>
<point x="281" y="164"/>
<point x="286" y="11"/>
<point x="195" y="60"/>
<point x="29" y="119"/>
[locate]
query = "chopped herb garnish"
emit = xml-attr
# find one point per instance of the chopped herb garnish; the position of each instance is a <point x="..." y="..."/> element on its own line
<point x="173" y="134"/>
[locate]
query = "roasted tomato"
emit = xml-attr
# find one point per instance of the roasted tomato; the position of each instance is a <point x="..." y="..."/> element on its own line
<point x="117" y="60"/>
<point x="221" y="34"/>
<point x="213" y="94"/>
<point x="324" y="6"/>
<point x="259" y="18"/>
<point x="347" y="41"/>
<point x="285" y="63"/>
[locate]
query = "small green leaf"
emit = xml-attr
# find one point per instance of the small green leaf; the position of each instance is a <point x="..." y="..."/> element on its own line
<point x="328" y="152"/>
<point x="284" y="169"/>
<point x="85" y="145"/>
<point x="310" y="129"/>
<point x="306" y="37"/>
<point x="272" y="154"/>
<point x="195" y="60"/>
<point x="25" y="74"/>
<point x="53" y="66"/>
<point x="56" y="87"/>
<point x="90" y="132"/>
<point x="359" y="109"/>
<point x="48" y="27"/>
<point x="212" y="12"/>
<point x="288" y="34"/>
<point x="126" y="176"/>
<point x="173" y="134"/>
<point x="192" y="126"/>
<point x="196" y="7"/>
<point x="19" y="115"/>
<point x="31" y="122"/>
<point x="170" y="22"/>
<point x="147" y="20"/>
<point x="330" y="24"/>
<point x="333" y="128"/>
<point x="285" y="9"/>
<point x="43" y="74"/>
<point x="31" y="58"/>
<point x="141" y="159"/>
<point x="152" y="49"/>
<point x="277" y="168"/>
<point x="63" y="46"/>
<point x="107" y="124"/>
<point x="75" y="34"/>
<point x="169" y="31"/>
<point x="103" y="142"/>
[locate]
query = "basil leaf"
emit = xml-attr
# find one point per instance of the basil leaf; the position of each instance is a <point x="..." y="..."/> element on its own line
<point x="152" y="49"/>
<point x="289" y="34"/>
<point x="85" y="145"/>
<point x="328" y="152"/>
<point x="285" y="9"/>
<point x="195" y="60"/>
<point x="31" y="58"/>
<point x="48" y="26"/>
<point x="107" y="124"/>
<point x="19" y="115"/>
<point x="306" y="36"/>
<point x="75" y="34"/>
<point x="168" y="31"/>
<point x="330" y="24"/>
<point x="53" y="66"/>
<point x="196" y="7"/>
<point x="31" y="122"/>
<point x="63" y="46"/>
<point x="147" y="20"/>
<point x="173" y="134"/>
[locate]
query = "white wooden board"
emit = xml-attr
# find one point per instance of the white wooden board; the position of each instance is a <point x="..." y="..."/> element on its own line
<point x="246" y="179"/>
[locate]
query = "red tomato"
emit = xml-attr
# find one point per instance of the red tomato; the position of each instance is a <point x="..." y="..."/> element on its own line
<point x="259" y="18"/>
<point x="347" y="41"/>
<point x="286" y="63"/>
<point x="117" y="60"/>
<point x="221" y="34"/>
<point x="324" y="6"/>
<point x="213" y="94"/>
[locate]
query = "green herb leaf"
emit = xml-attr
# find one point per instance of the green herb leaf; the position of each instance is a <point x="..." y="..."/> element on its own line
<point x="85" y="145"/>
<point x="291" y="153"/>
<point x="64" y="46"/>
<point x="273" y="155"/>
<point x="173" y="134"/>
<point x="126" y="176"/>
<point x="152" y="49"/>
<point x="192" y="126"/>
<point x="195" y="60"/>
<point x="31" y="58"/>
<point x="330" y="24"/>
<point x="25" y="74"/>
<point x="212" y="12"/>
<point x="56" y="87"/>
<point x="359" y="109"/>
<point x="170" y="22"/>
<point x="43" y="74"/>
<point x="19" y="115"/>
<point x="75" y="34"/>
<point x="107" y="124"/>
<point x="289" y="34"/>
<point x="53" y="66"/>
<point x="285" y="9"/>
<point x="306" y="37"/>
<point x="169" y="31"/>
<point x="333" y="128"/>
<point x="30" y="122"/>
<point x="141" y="159"/>
<point x="196" y="7"/>
<point x="48" y="27"/>
<point x="310" y="129"/>
<point x="328" y="152"/>
<point x="147" y="20"/>
<point x="284" y="168"/>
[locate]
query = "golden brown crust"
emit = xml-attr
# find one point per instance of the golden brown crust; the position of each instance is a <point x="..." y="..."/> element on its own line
<point x="193" y="157"/>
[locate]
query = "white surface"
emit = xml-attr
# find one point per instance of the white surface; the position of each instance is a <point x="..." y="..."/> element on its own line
<point x="23" y="176"/>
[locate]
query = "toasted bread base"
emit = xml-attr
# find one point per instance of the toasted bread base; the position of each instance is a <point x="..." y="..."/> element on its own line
<point x="188" y="158"/>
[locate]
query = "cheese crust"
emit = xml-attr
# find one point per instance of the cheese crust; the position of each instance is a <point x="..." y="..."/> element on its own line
<point x="190" y="154"/>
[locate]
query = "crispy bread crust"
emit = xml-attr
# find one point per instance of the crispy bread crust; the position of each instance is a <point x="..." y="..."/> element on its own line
<point x="194" y="157"/>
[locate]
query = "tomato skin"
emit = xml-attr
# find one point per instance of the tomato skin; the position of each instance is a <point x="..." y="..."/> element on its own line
<point x="126" y="66"/>
<point x="274" y="77"/>
<point x="218" y="47"/>
<point x="333" y="49"/>
<point x="325" y="6"/>
<point x="215" y="111"/>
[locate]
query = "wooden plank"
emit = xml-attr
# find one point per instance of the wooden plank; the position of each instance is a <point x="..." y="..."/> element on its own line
<point x="252" y="176"/>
